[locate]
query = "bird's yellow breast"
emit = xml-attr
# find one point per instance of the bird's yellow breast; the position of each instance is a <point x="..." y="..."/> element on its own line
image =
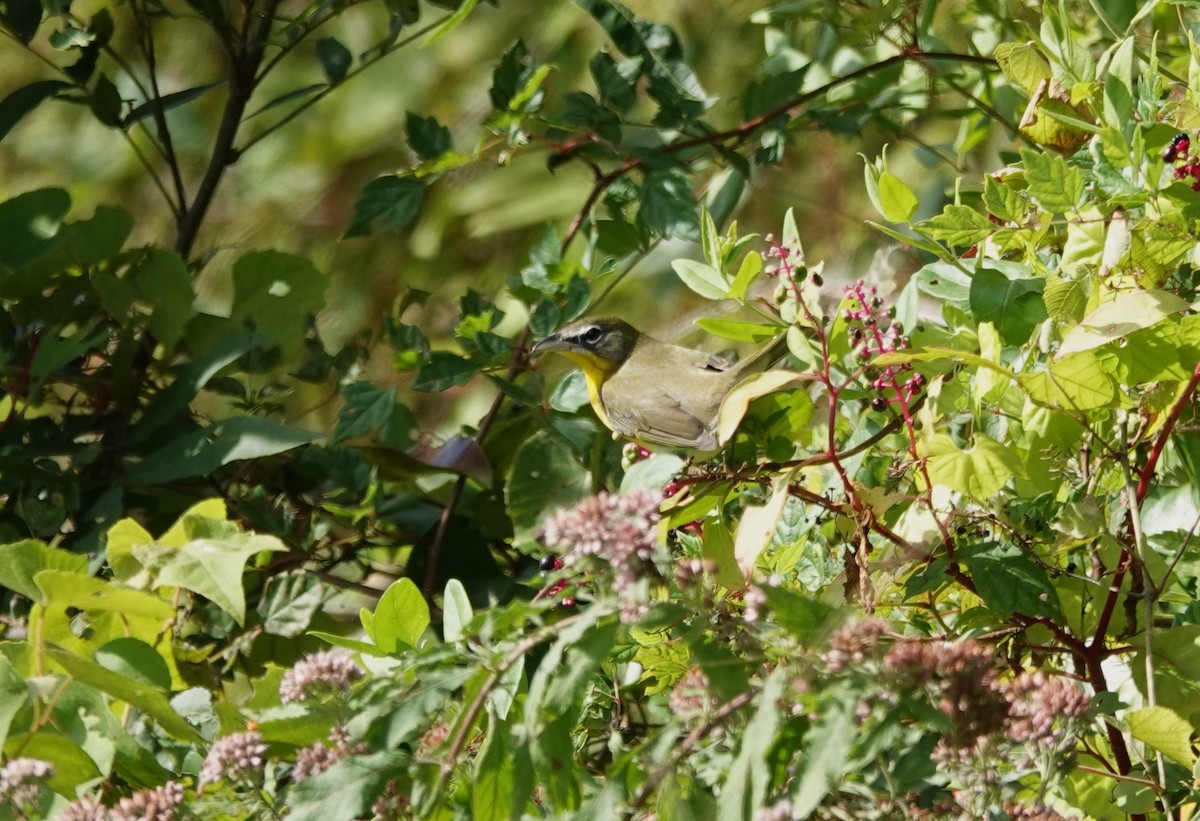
<point x="596" y="371"/>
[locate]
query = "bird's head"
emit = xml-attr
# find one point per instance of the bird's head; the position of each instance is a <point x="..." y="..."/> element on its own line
<point x="599" y="345"/>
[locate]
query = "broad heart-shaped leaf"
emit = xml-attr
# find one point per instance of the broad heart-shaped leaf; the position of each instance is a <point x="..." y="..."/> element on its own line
<point x="546" y="475"/>
<point x="1165" y="731"/>
<point x="1056" y="186"/>
<point x="28" y="227"/>
<point x="1010" y="582"/>
<point x="401" y="617"/>
<point x="150" y="700"/>
<point x="387" y="204"/>
<point x="347" y="789"/>
<point x="204" y="451"/>
<point x="20" y="562"/>
<point x="1130" y="311"/>
<point x="91" y="594"/>
<point x="367" y="408"/>
<point x="213" y="569"/>
<point x="1081" y="381"/>
<point x="978" y="471"/>
<point x="277" y="292"/>
<point x="1014" y="306"/>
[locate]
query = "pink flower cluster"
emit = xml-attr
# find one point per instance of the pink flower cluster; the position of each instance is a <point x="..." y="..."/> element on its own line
<point x="874" y="332"/>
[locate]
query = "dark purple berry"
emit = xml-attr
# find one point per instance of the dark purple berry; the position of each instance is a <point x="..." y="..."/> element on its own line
<point x="549" y="563"/>
<point x="1178" y="147"/>
<point x="879" y="404"/>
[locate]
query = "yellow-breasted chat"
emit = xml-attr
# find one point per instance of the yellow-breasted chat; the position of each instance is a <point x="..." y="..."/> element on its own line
<point x="652" y="392"/>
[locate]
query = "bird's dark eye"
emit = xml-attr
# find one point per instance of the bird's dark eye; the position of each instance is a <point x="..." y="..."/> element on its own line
<point x="592" y="335"/>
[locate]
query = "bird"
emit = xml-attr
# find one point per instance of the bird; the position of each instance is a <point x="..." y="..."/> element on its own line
<point x="657" y="394"/>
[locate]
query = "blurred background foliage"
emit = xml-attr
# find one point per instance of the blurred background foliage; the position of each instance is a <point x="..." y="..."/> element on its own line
<point x="296" y="189"/>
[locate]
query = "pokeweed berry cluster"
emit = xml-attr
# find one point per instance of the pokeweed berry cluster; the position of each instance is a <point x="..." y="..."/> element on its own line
<point x="873" y="331"/>
<point x="781" y="260"/>
<point x="1187" y="164"/>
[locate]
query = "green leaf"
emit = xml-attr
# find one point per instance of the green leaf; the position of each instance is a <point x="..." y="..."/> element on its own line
<point x="65" y="589"/>
<point x="20" y="562"/>
<point x="401" y="617"/>
<point x="979" y="471"/>
<point x="897" y="202"/>
<point x="735" y="404"/>
<point x="653" y="473"/>
<point x="204" y="451"/>
<point x="135" y="659"/>
<point x="1164" y="731"/>
<point x="25" y="99"/>
<point x="546" y="475"/>
<point x="29" y="224"/>
<point x="748" y="777"/>
<point x="616" y="81"/>
<point x="167" y="102"/>
<point x="335" y="59"/>
<point x="23" y="17"/>
<point x="157" y="289"/>
<point x="1010" y="582"/>
<point x="187" y="383"/>
<point x="504" y="776"/>
<point x="428" y="138"/>
<point x="1128" y="312"/>
<point x="748" y="271"/>
<point x="276" y="293"/>
<point x="958" y="226"/>
<point x="444" y="370"/>
<point x="1055" y="186"/>
<point x="456" y="611"/>
<point x="1080" y="381"/>
<point x="1003" y="201"/>
<point x="72" y="765"/>
<point x="290" y="602"/>
<point x="830" y="740"/>
<point x="347" y="789"/>
<point x="213" y="568"/>
<point x="668" y="207"/>
<point x="717" y="546"/>
<point x="1022" y="64"/>
<point x="736" y="331"/>
<point x="150" y="700"/>
<point x="387" y="205"/>
<point x="1014" y="306"/>
<point x="1067" y="299"/>
<point x="703" y="279"/>
<point x="368" y="408"/>
<point x="14" y="693"/>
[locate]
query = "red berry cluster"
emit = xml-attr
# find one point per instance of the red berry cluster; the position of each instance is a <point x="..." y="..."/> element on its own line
<point x="549" y="564"/>
<point x="1187" y="165"/>
<point x="873" y="331"/>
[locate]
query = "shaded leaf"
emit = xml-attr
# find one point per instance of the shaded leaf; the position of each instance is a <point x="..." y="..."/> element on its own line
<point x="25" y="99"/>
<point x="334" y="57"/>
<point x="387" y="204"/>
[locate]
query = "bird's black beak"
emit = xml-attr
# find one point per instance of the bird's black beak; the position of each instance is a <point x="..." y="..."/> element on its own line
<point x="554" y="342"/>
